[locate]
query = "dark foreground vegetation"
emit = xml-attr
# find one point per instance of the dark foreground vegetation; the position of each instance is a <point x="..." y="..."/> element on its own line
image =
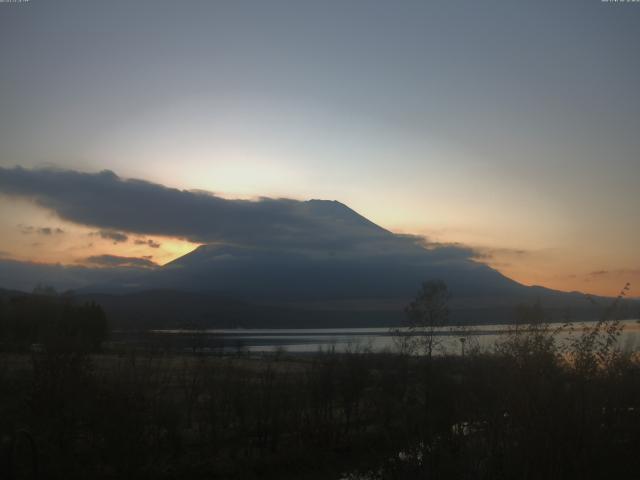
<point x="531" y="409"/>
<point x="46" y="320"/>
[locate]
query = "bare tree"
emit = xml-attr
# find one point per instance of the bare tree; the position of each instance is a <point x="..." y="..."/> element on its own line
<point x="426" y="314"/>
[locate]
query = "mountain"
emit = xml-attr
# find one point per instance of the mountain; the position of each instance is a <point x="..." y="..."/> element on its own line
<point x="347" y="256"/>
<point x="321" y="264"/>
<point x="351" y="272"/>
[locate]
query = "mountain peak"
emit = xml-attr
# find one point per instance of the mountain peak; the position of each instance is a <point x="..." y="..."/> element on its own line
<point x="339" y="212"/>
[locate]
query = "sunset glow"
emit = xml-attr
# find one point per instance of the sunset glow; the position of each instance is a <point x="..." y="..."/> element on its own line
<point x="521" y="150"/>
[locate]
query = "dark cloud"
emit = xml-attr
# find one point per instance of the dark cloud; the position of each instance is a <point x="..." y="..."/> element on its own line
<point x="621" y="271"/>
<point x="490" y="253"/>
<point x="116" y="237"/>
<point x="111" y="203"/>
<point x="454" y="251"/>
<point x="26" y="275"/>
<point x="598" y="273"/>
<point x="118" y="261"/>
<point x="30" y="229"/>
<point x="149" y="242"/>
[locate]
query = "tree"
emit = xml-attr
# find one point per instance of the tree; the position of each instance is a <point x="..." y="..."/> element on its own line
<point x="426" y="314"/>
<point x="532" y="340"/>
<point x="46" y="290"/>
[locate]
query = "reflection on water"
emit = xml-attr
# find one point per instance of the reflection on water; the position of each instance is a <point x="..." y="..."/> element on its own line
<point x="482" y="337"/>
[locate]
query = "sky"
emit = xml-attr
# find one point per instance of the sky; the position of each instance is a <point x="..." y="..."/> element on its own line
<point x="510" y="128"/>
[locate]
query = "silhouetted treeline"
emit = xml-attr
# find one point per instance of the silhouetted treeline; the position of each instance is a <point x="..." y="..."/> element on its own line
<point x="48" y="320"/>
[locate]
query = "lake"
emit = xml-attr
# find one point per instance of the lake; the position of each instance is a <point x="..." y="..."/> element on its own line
<point x="357" y="339"/>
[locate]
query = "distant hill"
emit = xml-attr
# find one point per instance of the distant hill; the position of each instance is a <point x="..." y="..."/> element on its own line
<point x="153" y="309"/>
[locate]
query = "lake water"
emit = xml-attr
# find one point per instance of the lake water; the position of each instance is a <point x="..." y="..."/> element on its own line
<point x="357" y="339"/>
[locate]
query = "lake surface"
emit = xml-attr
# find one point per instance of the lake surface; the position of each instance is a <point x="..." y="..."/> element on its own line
<point x="448" y="340"/>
